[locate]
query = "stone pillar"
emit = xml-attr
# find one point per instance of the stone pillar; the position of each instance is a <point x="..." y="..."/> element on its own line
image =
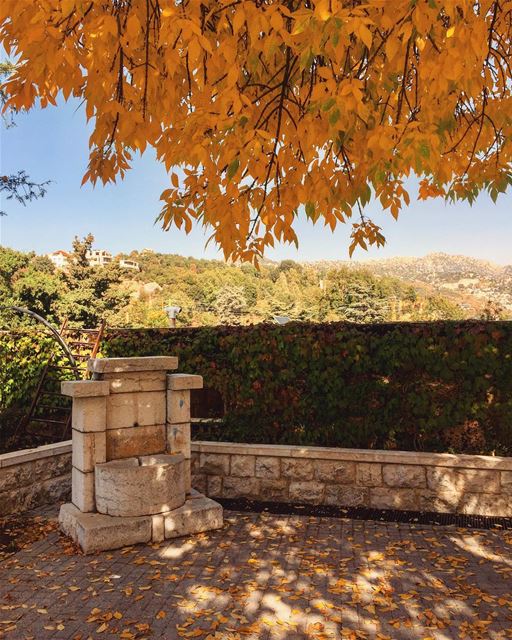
<point x="136" y="406"/>
<point x="88" y="436"/>
<point x="179" y="386"/>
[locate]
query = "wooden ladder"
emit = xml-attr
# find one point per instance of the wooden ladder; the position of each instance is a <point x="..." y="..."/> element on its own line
<point x="49" y="416"/>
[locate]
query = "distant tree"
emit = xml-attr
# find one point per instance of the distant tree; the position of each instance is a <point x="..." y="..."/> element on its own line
<point x="92" y="293"/>
<point x="362" y="302"/>
<point x="38" y="291"/>
<point x="285" y="296"/>
<point x="11" y="261"/>
<point x="27" y="280"/>
<point x="231" y="305"/>
<point x="439" y="308"/>
<point x="492" y="311"/>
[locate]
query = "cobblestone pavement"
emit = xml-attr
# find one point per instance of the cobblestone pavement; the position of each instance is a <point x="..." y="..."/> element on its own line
<point x="263" y="576"/>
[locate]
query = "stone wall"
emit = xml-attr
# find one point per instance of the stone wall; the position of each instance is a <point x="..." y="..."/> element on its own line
<point x="314" y="475"/>
<point x="35" y="477"/>
<point x="355" y="478"/>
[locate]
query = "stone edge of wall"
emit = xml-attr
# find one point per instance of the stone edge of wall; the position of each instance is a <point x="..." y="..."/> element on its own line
<point x="36" y="477"/>
<point x="357" y="455"/>
<point x="29" y="455"/>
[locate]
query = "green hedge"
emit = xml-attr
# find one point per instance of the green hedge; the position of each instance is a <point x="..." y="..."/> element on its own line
<point x="433" y="386"/>
<point x="23" y="355"/>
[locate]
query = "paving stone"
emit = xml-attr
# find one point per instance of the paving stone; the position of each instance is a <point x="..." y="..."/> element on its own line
<point x="293" y="577"/>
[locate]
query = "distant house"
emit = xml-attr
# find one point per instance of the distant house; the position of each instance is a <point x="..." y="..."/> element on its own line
<point x="59" y="258"/>
<point x="129" y="264"/>
<point x="98" y="257"/>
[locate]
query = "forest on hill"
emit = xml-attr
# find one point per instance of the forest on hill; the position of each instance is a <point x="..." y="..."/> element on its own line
<point x="209" y="292"/>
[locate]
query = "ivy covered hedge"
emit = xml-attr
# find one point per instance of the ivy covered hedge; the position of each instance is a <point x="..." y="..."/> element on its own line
<point x="434" y="387"/>
<point x="23" y="354"/>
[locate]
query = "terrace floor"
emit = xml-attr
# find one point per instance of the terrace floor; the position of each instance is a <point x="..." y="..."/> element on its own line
<point x="262" y="576"/>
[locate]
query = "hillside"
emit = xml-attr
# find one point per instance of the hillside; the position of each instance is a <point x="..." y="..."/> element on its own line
<point x="211" y="292"/>
<point x="468" y="281"/>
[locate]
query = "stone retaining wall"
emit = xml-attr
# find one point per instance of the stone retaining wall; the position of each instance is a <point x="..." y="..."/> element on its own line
<point x="355" y="478"/>
<point x="314" y="475"/>
<point x="35" y="477"/>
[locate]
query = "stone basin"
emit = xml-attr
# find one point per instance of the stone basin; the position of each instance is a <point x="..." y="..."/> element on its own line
<point x="141" y="486"/>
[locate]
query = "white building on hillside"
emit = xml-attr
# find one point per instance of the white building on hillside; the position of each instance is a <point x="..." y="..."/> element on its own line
<point x="98" y="257"/>
<point x="129" y="264"/>
<point x="60" y="258"/>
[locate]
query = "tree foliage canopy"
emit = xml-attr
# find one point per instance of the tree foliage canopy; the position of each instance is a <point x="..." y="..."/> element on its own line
<point x="278" y="107"/>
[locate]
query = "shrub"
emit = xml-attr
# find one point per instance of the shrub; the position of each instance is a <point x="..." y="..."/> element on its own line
<point x="23" y="356"/>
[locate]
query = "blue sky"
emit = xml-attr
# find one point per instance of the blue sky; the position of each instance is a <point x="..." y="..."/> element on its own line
<point x="53" y="144"/>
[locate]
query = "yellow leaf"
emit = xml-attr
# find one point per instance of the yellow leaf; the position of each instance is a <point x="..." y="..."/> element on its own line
<point x="366" y="35"/>
<point x="133" y="26"/>
<point x="391" y="47"/>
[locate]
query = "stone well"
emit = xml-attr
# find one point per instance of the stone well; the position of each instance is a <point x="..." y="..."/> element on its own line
<point x="140" y="486"/>
<point x="131" y="456"/>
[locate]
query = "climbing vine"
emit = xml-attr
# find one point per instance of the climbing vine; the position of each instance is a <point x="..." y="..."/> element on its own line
<point x="443" y="386"/>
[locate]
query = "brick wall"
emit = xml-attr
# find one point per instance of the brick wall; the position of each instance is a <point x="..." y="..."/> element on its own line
<point x="352" y="477"/>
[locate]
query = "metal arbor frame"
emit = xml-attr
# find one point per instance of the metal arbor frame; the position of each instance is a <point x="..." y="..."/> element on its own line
<point x="86" y="342"/>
